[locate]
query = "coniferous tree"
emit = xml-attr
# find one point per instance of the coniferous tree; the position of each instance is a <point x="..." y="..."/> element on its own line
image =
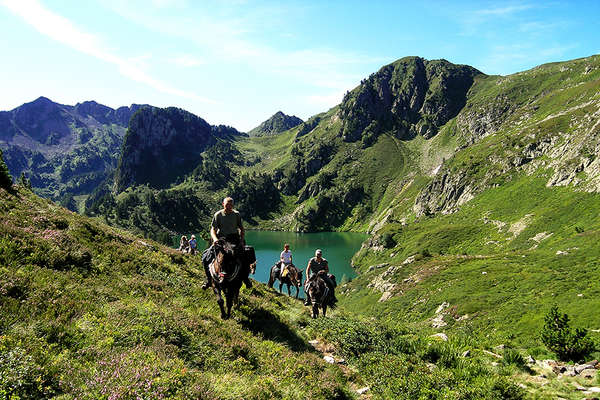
<point x="5" y="178"/>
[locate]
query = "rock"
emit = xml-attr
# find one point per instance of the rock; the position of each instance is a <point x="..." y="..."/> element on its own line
<point x="442" y="306"/>
<point x="409" y="260"/>
<point x="466" y="354"/>
<point x="329" y="359"/>
<point x="440" y="336"/>
<point x="499" y="347"/>
<point x="580" y="368"/>
<point x="594" y="389"/>
<point x="530" y="360"/>
<point x="561" y="253"/>
<point x="483" y="273"/>
<point x="589" y="373"/>
<point x="578" y="387"/>
<point x="438" y="321"/>
<point x="313" y="342"/>
<point x="363" y="390"/>
<point x="377" y="266"/>
<point x="492" y="354"/>
<point x="341" y="361"/>
<point x="385" y="296"/>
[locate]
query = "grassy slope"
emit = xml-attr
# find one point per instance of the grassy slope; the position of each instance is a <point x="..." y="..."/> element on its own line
<point x="500" y="278"/>
<point x="90" y="312"/>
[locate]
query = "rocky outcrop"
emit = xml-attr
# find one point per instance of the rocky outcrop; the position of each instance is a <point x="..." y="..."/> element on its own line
<point x="411" y="97"/>
<point x="161" y="145"/>
<point x="278" y="123"/>
<point x="445" y="193"/>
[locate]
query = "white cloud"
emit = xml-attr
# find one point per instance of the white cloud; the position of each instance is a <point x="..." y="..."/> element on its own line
<point x="502" y="11"/>
<point x="223" y="36"/>
<point x="64" y="31"/>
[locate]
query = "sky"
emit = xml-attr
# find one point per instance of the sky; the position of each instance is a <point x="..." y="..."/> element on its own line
<point x="238" y="62"/>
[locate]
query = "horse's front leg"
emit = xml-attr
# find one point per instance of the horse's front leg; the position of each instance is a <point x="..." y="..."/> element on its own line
<point x="315" y="311"/>
<point x="324" y="309"/>
<point x="229" y="296"/>
<point x="280" y="286"/>
<point x="217" y="290"/>
<point x="288" y="288"/>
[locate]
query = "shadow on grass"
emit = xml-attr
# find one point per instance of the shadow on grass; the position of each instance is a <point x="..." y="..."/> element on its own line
<point x="259" y="320"/>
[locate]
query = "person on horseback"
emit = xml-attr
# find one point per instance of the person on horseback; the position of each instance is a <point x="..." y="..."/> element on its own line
<point x="285" y="259"/>
<point x="314" y="267"/>
<point x="227" y="224"/>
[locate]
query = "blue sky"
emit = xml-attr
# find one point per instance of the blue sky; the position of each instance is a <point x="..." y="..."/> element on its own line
<point x="238" y="62"/>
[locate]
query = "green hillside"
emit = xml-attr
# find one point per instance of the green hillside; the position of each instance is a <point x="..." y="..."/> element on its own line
<point x="91" y="312"/>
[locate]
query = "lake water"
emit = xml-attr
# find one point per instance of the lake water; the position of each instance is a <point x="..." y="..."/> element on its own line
<point x="338" y="248"/>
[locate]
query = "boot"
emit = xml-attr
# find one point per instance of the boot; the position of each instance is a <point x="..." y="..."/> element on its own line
<point x="208" y="282"/>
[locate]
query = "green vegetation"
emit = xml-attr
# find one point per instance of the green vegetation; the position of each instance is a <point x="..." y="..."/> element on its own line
<point x="559" y="338"/>
<point x="5" y="178"/>
<point x="93" y="312"/>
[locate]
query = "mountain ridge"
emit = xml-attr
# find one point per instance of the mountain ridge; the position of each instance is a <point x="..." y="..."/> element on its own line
<point x="277" y="123"/>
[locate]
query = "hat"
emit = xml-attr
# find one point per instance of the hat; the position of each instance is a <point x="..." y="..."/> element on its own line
<point x="318" y="252"/>
<point x="193" y="236"/>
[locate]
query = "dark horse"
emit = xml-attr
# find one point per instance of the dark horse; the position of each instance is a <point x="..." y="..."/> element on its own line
<point x="320" y="294"/>
<point x="292" y="278"/>
<point x="228" y="273"/>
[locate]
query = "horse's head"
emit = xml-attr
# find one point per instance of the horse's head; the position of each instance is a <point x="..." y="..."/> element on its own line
<point x="316" y="289"/>
<point x="225" y="259"/>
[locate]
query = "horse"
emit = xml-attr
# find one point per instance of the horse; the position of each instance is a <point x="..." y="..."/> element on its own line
<point x="227" y="274"/>
<point x="293" y="278"/>
<point x="320" y="295"/>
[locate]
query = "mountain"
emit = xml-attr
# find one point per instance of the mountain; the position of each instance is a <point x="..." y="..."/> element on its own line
<point x="161" y="145"/>
<point x="63" y="149"/>
<point x="278" y="123"/>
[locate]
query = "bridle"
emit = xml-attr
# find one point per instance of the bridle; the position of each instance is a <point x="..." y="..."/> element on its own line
<point x="225" y="249"/>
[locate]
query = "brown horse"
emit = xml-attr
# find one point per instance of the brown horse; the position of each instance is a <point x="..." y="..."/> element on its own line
<point x="228" y="274"/>
<point x="320" y="294"/>
<point x="292" y="278"/>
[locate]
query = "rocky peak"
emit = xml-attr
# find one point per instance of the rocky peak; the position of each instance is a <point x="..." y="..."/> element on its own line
<point x="410" y="97"/>
<point x="278" y="123"/>
<point x="122" y="115"/>
<point x="161" y="145"/>
<point x="99" y="112"/>
<point x="43" y="120"/>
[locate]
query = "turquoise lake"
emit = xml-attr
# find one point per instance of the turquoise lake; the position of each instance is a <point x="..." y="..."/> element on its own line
<point x="338" y="248"/>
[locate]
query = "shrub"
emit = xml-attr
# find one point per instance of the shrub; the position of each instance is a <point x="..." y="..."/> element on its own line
<point x="5" y="178"/>
<point x="559" y="338"/>
<point x="513" y="357"/>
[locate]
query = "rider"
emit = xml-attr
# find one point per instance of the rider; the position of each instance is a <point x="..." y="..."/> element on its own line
<point x="315" y="265"/>
<point x="285" y="258"/>
<point x="227" y="224"/>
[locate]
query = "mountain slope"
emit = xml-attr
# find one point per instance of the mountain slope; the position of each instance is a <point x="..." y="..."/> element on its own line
<point x="92" y="312"/>
<point x="279" y="122"/>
